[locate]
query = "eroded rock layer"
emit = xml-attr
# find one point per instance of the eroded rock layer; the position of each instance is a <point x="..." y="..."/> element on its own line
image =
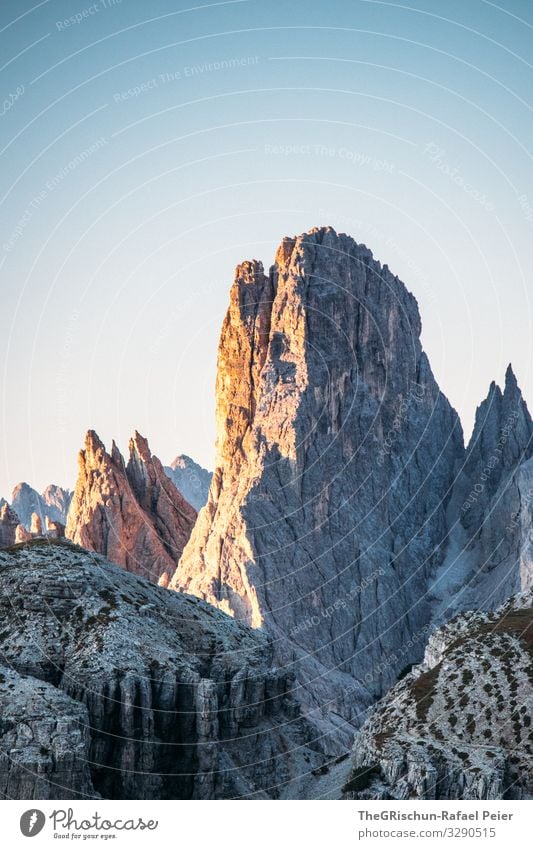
<point x="158" y="694"/>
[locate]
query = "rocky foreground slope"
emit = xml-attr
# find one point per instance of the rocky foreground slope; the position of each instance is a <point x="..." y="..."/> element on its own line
<point x="111" y="685"/>
<point x="460" y="725"/>
<point x="130" y="512"/>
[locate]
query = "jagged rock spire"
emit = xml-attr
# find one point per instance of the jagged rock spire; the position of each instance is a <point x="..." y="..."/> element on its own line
<point x="132" y="514"/>
<point x="335" y="458"/>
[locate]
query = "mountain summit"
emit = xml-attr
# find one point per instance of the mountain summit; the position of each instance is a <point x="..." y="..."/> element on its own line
<point x="335" y="461"/>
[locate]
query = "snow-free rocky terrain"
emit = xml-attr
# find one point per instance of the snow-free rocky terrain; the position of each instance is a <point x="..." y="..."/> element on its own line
<point x="345" y="520"/>
<point x="459" y="725"/>
<point x="345" y="515"/>
<point x="113" y="686"/>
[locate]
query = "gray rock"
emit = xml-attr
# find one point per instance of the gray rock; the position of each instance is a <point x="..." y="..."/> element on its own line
<point x="44" y="741"/>
<point x="336" y="454"/>
<point x="9" y="522"/>
<point x="459" y="725"/>
<point x="190" y="479"/>
<point x="490" y="513"/>
<point x="53" y="504"/>
<point x="182" y="701"/>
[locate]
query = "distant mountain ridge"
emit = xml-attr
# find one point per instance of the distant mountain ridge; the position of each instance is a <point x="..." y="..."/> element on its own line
<point x="190" y="479"/>
<point x="53" y="503"/>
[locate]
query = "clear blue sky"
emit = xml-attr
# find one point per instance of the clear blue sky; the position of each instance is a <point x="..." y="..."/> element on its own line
<point x="149" y="147"/>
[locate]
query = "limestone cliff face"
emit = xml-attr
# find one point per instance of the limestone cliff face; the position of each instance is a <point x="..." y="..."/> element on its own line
<point x="491" y="510"/>
<point x="190" y="479"/>
<point x="459" y="725"/>
<point x="119" y="688"/>
<point x="44" y="741"/>
<point x="9" y="526"/>
<point x="335" y="458"/>
<point x="131" y="513"/>
<point x="52" y="504"/>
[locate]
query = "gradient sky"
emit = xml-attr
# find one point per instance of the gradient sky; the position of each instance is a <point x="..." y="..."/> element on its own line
<point x="150" y="147"/>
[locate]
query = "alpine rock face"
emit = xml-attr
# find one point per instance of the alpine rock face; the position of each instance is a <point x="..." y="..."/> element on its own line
<point x="190" y="479"/>
<point x="111" y="686"/>
<point x="490" y="516"/>
<point x="132" y="513"/>
<point x="459" y="725"/>
<point x="10" y="527"/>
<point x="52" y="504"/>
<point x="335" y="461"/>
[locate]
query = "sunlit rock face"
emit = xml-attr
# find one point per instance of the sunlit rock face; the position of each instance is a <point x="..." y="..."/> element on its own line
<point x="133" y="514"/>
<point x="9" y="523"/>
<point x="336" y="454"/>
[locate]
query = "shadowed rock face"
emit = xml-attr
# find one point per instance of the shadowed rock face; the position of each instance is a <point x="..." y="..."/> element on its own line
<point x="458" y="726"/>
<point x="489" y="556"/>
<point x="132" y="514"/>
<point x="159" y="694"/>
<point x="493" y="499"/>
<point x="336" y="454"/>
<point x="190" y="479"/>
<point x="53" y="504"/>
<point x="44" y="741"/>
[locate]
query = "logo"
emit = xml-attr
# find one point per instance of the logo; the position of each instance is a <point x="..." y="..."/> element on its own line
<point x="32" y="822"/>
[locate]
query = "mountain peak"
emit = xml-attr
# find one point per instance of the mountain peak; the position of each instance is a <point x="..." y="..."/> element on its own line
<point x="314" y="363"/>
<point x="139" y="445"/>
<point x="131" y="513"/>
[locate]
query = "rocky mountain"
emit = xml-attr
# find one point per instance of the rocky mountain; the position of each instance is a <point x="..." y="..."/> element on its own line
<point x="113" y="686"/>
<point x="336" y="457"/>
<point x="459" y="725"/>
<point x="490" y="514"/>
<point x="9" y="526"/>
<point x="132" y="513"/>
<point x="44" y="741"/>
<point x="52" y="504"/>
<point x="190" y="479"/>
